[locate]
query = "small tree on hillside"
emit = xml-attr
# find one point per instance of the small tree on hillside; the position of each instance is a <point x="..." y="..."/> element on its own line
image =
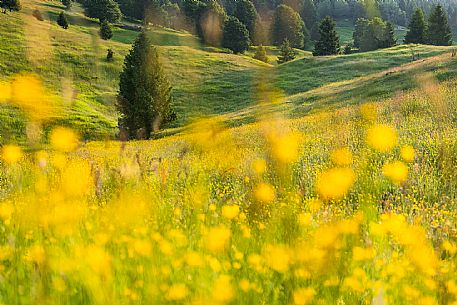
<point x="144" y="99"/>
<point x="102" y="10"/>
<point x="309" y="16"/>
<point x="235" y="36"/>
<point x="288" y="25"/>
<point x="329" y="42"/>
<point x="360" y="26"/>
<point x="439" y="32"/>
<point x="247" y="14"/>
<point x="417" y="28"/>
<point x="106" y="32"/>
<point x="62" y="20"/>
<point x="389" y="39"/>
<point x="67" y="3"/>
<point x="10" y="5"/>
<point x="261" y="54"/>
<point x="286" y="52"/>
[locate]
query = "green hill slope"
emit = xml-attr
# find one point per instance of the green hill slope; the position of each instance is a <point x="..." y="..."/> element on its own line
<point x="206" y="81"/>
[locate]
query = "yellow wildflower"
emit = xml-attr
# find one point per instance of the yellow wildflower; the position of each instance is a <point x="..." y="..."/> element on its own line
<point x="382" y="137"/>
<point x="303" y="296"/>
<point x="217" y="239"/>
<point x="396" y="171"/>
<point x="11" y="154"/>
<point x="177" y="292"/>
<point x="341" y="157"/>
<point x="265" y="193"/>
<point x="230" y="211"/>
<point x="64" y="139"/>
<point x="335" y="183"/>
<point x="407" y="153"/>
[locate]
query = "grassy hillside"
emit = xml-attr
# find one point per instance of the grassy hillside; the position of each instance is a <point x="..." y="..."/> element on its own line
<point x="206" y="81"/>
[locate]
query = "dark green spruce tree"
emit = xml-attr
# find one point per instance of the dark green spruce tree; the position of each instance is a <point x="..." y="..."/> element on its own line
<point x="286" y="52"/>
<point x="62" y="20"/>
<point x="439" y="31"/>
<point x="10" y="5"/>
<point x="417" y="28"/>
<point x="388" y="39"/>
<point x="102" y="10"/>
<point x="247" y="14"/>
<point x="144" y="99"/>
<point x="288" y="25"/>
<point x="235" y="36"/>
<point x="329" y="42"/>
<point x="105" y="32"/>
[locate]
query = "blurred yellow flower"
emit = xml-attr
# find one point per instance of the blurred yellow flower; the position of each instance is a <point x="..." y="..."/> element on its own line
<point x="11" y="154"/>
<point x="396" y="171"/>
<point x="303" y="296"/>
<point x="382" y="137"/>
<point x="407" y="153"/>
<point x="341" y="157"/>
<point x="217" y="238"/>
<point x="223" y="291"/>
<point x="28" y="93"/>
<point x="5" y="92"/>
<point x="335" y="183"/>
<point x="259" y="166"/>
<point x="277" y="257"/>
<point x="36" y="254"/>
<point x="177" y="292"/>
<point x="77" y="179"/>
<point x="230" y="211"/>
<point x="64" y="139"/>
<point x="285" y="148"/>
<point x="265" y="193"/>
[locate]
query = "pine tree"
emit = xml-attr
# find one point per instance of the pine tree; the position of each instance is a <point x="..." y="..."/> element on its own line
<point x="261" y="54"/>
<point x="236" y="36"/>
<point x="288" y="25"/>
<point x="144" y="99"/>
<point x="360" y="27"/>
<point x="329" y="42"/>
<point x="105" y="32"/>
<point x="439" y="32"/>
<point x="389" y="39"/>
<point x="309" y="15"/>
<point x="417" y="28"/>
<point x="10" y="5"/>
<point x="62" y="20"/>
<point x="103" y="10"/>
<point x="247" y="14"/>
<point x="286" y="52"/>
<point x="67" y="3"/>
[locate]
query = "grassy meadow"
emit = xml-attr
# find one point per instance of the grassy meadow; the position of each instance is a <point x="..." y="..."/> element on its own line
<point x="320" y="181"/>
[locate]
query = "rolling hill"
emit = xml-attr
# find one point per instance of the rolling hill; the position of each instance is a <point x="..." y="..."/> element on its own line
<point x="206" y="81"/>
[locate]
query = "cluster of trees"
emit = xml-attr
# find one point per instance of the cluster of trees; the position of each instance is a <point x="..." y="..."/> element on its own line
<point x="373" y="34"/>
<point x="436" y="31"/>
<point x="10" y="5"/>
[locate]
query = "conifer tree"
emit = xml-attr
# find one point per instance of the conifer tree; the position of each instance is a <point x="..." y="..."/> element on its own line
<point x="286" y="52"/>
<point x="439" y="32"/>
<point x="417" y="28"/>
<point x="144" y="99"/>
<point x="106" y="32"/>
<point x="329" y="42"/>
<point x="62" y="20"/>
<point x="67" y="3"/>
<point x="261" y="54"/>
<point x="10" y="5"/>
<point x="246" y="13"/>
<point x="288" y="25"/>
<point x="235" y="36"/>
<point x="103" y="10"/>
<point x="389" y="39"/>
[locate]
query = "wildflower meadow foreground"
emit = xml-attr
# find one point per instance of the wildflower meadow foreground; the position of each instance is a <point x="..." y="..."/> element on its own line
<point x="351" y="206"/>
